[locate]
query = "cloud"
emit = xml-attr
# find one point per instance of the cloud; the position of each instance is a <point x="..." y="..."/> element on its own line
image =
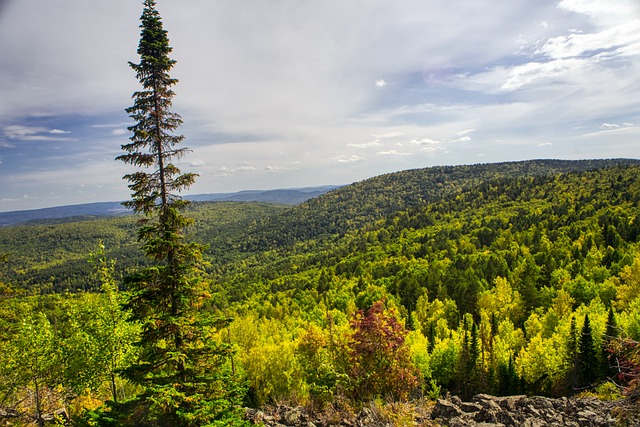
<point x="392" y="153"/>
<point x="278" y="169"/>
<point x="9" y="200"/>
<point x="224" y="171"/>
<point x="544" y="144"/>
<point x="348" y="159"/>
<point x="18" y="131"/>
<point x="609" y="37"/>
<point x="432" y="149"/>
<point x="387" y="135"/>
<point x="462" y="139"/>
<point x="301" y="83"/>
<point x="610" y="129"/>
<point x="34" y="133"/>
<point x="424" y="141"/>
<point x="609" y="126"/>
<point x="526" y="74"/>
<point x="603" y="10"/>
<point x="621" y="40"/>
<point x="197" y="163"/>
<point x="374" y="143"/>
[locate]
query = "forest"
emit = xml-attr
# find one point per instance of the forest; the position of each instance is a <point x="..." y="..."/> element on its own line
<point x="510" y="278"/>
<point x="514" y="278"/>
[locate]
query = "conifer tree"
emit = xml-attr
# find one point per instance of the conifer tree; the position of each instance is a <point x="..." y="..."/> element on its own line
<point x="611" y="333"/>
<point x="182" y="374"/>
<point x="572" y="374"/>
<point x="587" y="358"/>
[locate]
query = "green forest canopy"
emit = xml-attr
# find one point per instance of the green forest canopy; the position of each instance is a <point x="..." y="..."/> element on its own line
<point x="488" y="277"/>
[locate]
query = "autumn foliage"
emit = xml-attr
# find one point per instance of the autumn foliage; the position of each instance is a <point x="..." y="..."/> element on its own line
<point x="626" y="353"/>
<point x="380" y="359"/>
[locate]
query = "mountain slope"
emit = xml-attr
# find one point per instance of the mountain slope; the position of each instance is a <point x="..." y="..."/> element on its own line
<point x="361" y="203"/>
<point x="573" y="231"/>
<point x="236" y="230"/>
<point x="291" y="196"/>
<point x="52" y="257"/>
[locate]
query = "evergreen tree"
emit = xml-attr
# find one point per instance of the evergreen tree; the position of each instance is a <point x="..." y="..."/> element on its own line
<point x="587" y="358"/>
<point x="467" y="366"/>
<point x="183" y="375"/>
<point x="572" y="356"/>
<point x="611" y="334"/>
<point x="612" y="331"/>
<point x="508" y="380"/>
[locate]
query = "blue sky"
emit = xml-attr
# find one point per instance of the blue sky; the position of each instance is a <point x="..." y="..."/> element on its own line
<point x="291" y="93"/>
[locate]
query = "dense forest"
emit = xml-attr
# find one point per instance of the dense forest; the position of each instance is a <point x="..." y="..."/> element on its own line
<point x="504" y="279"/>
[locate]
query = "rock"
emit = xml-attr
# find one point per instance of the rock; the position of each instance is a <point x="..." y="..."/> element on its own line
<point x="469" y="407"/>
<point x="445" y="409"/>
<point x="480" y="411"/>
<point x="485" y="410"/>
<point x="294" y="416"/>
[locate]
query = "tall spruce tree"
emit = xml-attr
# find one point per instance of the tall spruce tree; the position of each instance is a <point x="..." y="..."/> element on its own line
<point x="587" y="356"/>
<point x="183" y="374"/>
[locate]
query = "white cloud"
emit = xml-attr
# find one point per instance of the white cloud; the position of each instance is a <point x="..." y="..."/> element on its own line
<point x="393" y="134"/>
<point x="424" y="141"/>
<point x="609" y="126"/>
<point x="300" y="83"/>
<point x="544" y="144"/>
<point x="197" y="163"/>
<point x="604" y="10"/>
<point x="19" y="131"/>
<point x="278" y="169"/>
<point x="34" y="133"/>
<point x="623" y="39"/>
<point x="348" y="159"/>
<point x="392" y="153"/>
<point x="462" y="139"/>
<point x="526" y="74"/>
<point x="224" y="171"/>
<point x="432" y="149"/>
<point x="374" y="143"/>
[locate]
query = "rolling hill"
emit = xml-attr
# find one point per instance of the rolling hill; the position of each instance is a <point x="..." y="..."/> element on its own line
<point x="292" y="196"/>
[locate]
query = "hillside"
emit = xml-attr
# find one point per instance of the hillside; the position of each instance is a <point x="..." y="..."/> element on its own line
<point x="516" y="278"/>
<point x="51" y="256"/>
<point x="362" y="203"/>
<point x="492" y="281"/>
<point x="291" y="196"/>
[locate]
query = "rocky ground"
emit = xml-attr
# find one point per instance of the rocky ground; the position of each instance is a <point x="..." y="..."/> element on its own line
<point x="481" y="410"/>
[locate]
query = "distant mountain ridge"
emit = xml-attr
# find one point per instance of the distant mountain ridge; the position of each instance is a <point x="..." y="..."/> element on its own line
<point x="287" y="196"/>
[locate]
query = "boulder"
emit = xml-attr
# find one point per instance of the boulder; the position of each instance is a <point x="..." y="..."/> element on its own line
<point x="481" y="410"/>
<point x="536" y="411"/>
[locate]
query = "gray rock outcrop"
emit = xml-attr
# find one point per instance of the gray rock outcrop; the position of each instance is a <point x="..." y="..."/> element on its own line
<point x="480" y="411"/>
<point x="484" y="410"/>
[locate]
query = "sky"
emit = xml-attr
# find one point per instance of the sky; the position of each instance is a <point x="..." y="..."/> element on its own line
<point x="297" y="93"/>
